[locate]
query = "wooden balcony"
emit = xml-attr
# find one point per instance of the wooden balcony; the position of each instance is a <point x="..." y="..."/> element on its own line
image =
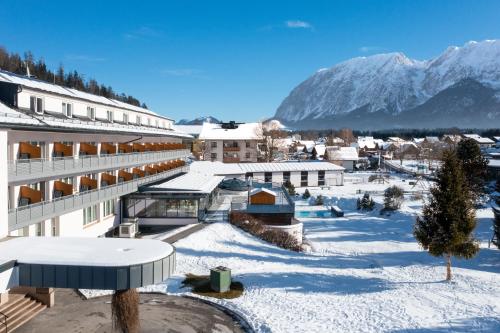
<point x="107" y="179"/>
<point x="150" y="170"/>
<point x="138" y="147"/>
<point x="231" y="148"/>
<point x="27" y="150"/>
<point x="108" y="148"/>
<point x="88" y="149"/>
<point x="29" y="196"/>
<point x="138" y="173"/>
<point x="62" y="150"/>
<point x="124" y="148"/>
<point x="124" y="176"/>
<point x="231" y="159"/>
<point x="87" y="184"/>
<point x="61" y="189"/>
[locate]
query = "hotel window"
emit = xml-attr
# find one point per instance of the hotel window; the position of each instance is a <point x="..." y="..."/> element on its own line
<point x="149" y="122"/>
<point x="303" y="178"/>
<point x="67" y="109"/>
<point x="89" y="214"/>
<point x="213" y="156"/>
<point x="286" y="176"/>
<point x="109" y="207"/>
<point x="157" y="123"/>
<point x="91" y="112"/>
<point x="36" y="104"/>
<point x="54" y="226"/>
<point x="39" y="229"/>
<point x="248" y="175"/>
<point x="213" y="144"/>
<point x="247" y="155"/>
<point x="268" y="177"/>
<point x="138" y="120"/>
<point x="247" y="144"/>
<point x="125" y="118"/>
<point x="110" y="116"/>
<point x="321" y="178"/>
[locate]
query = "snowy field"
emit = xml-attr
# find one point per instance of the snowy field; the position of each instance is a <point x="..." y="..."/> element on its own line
<point x="365" y="273"/>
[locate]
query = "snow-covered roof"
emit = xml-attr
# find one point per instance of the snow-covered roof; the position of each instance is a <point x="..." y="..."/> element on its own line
<point x="494" y="163"/>
<point x="262" y="189"/>
<point x="36" y="84"/>
<point x="342" y="153"/>
<point x="496" y="138"/>
<point x="320" y="149"/>
<point x="189" y="129"/>
<point x="83" y="251"/>
<point x="11" y="117"/>
<point x="479" y="139"/>
<point x="189" y="182"/>
<point x="219" y="168"/>
<point x="247" y="131"/>
<point x="432" y="139"/>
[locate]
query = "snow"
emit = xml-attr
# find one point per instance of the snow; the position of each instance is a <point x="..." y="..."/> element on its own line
<point x="190" y="182"/>
<point x="107" y="252"/>
<point x="364" y="273"/>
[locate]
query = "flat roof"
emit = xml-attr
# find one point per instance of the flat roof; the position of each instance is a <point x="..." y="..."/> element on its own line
<point x="83" y="251"/>
<point x="190" y="182"/>
<point x="219" y="168"/>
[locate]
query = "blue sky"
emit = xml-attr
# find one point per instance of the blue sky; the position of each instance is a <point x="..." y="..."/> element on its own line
<point x="231" y="59"/>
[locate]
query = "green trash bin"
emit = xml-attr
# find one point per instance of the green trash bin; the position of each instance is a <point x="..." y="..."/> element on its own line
<point x="220" y="279"/>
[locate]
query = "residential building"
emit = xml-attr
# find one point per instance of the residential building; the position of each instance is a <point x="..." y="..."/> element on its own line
<point x="69" y="156"/>
<point x="231" y="142"/>
<point x="346" y="157"/>
<point x="481" y="141"/>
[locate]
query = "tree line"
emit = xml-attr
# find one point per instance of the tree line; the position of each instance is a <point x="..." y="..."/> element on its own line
<point x="13" y="62"/>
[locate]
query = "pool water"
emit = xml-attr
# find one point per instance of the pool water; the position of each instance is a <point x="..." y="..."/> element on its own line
<point x="313" y="213"/>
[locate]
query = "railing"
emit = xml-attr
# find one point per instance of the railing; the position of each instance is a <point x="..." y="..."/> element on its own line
<point x="284" y="203"/>
<point x="21" y="171"/>
<point x="231" y="148"/>
<point x="26" y="215"/>
<point x="5" y="321"/>
<point x="231" y="159"/>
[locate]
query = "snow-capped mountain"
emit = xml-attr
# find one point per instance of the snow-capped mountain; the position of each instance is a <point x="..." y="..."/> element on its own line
<point x="198" y="121"/>
<point x="387" y="86"/>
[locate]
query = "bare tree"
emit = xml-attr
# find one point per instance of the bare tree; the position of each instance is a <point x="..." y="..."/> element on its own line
<point x="271" y="138"/>
<point x="346" y="135"/>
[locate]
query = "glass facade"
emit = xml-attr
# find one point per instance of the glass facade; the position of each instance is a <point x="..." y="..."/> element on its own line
<point x="161" y="208"/>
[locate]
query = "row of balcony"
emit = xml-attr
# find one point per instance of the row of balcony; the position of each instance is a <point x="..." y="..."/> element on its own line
<point x="24" y="171"/>
<point x="33" y="210"/>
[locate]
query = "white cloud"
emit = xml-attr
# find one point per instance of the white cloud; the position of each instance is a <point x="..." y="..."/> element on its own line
<point x="142" y="32"/>
<point x="367" y="49"/>
<point x="297" y="24"/>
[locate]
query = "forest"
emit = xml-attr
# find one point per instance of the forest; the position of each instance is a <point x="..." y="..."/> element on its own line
<point x="13" y="62"/>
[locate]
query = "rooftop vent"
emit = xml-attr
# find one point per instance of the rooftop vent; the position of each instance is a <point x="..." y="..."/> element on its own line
<point x="230" y="125"/>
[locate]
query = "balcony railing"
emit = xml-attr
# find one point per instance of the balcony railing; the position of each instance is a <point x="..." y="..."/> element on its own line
<point x="23" y="171"/>
<point x="23" y="216"/>
<point x="231" y="159"/>
<point x="231" y="148"/>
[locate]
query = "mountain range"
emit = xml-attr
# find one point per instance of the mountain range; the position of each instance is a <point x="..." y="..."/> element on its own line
<point x="459" y="88"/>
<point x="198" y="121"/>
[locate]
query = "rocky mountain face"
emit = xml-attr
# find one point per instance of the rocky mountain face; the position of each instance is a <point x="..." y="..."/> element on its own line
<point x="198" y="121"/>
<point x="461" y="88"/>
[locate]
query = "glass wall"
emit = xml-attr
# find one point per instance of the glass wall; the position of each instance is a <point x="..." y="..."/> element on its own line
<point x="161" y="208"/>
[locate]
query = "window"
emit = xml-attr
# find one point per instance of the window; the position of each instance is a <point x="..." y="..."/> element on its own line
<point x="268" y="177"/>
<point x="213" y="156"/>
<point x="248" y="175"/>
<point x="303" y="178"/>
<point x="247" y="144"/>
<point x="110" y="116"/>
<point x="157" y="122"/>
<point x="91" y="112"/>
<point x="149" y="122"/>
<point x="213" y="144"/>
<point x="109" y="207"/>
<point x="247" y="155"/>
<point x="36" y="104"/>
<point x="138" y="120"/>
<point x="89" y="214"/>
<point x="67" y="109"/>
<point x="321" y="178"/>
<point x="54" y="226"/>
<point x="125" y="118"/>
<point x="67" y="180"/>
<point x="39" y="229"/>
<point x="286" y="176"/>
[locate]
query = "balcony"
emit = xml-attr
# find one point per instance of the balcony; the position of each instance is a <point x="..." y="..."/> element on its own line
<point x="26" y="171"/>
<point x="231" y="159"/>
<point x="231" y="148"/>
<point x="33" y="213"/>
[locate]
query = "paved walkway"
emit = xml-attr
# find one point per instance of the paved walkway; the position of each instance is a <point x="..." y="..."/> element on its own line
<point x="158" y="313"/>
<point x="174" y="238"/>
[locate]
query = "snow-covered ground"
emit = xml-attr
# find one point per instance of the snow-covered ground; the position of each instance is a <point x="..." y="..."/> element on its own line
<point x="365" y="273"/>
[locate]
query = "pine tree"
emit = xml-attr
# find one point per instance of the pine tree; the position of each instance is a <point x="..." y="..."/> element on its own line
<point x="393" y="198"/>
<point x="474" y="165"/>
<point x="448" y="221"/>
<point x="306" y="194"/>
<point x="496" y="228"/>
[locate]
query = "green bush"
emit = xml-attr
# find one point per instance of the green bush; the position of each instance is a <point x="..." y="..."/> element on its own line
<point x="290" y="188"/>
<point x="393" y="198"/>
<point x="319" y="201"/>
<point x="306" y="194"/>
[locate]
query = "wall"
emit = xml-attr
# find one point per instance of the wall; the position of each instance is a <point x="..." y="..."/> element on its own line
<point x="4" y="192"/>
<point x="8" y="279"/>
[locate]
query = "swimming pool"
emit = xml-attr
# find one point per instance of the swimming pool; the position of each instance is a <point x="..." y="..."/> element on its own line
<point x="313" y="213"/>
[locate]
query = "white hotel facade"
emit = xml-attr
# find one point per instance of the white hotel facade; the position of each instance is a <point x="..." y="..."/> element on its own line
<point x="67" y="157"/>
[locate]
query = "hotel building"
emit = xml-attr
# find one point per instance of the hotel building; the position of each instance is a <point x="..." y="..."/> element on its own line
<point x="68" y="157"/>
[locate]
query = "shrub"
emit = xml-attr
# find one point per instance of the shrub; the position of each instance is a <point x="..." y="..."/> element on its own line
<point x="306" y="194"/>
<point x="372" y="178"/>
<point x="365" y="203"/>
<point x="319" y="201"/>
<point x="393" y="198"/>
<point x="417" y="196"/>
<point x="255" y="227"/>
<point x="290" y="188"/>
<point x="496" y="229"/>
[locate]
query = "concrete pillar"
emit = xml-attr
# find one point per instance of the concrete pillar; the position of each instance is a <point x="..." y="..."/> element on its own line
<point x="46" y="296"/>
<point x="4" y="183"/>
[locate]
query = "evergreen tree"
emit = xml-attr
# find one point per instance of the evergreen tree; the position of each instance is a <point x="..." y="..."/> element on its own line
<point x="290" y="188"/>
<point x="393" y="198"/>
<point x="474" y="166"/>
<point x="448" y="221"/>
<point x="306" y="194"/>
<point x="496" y="227"/>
